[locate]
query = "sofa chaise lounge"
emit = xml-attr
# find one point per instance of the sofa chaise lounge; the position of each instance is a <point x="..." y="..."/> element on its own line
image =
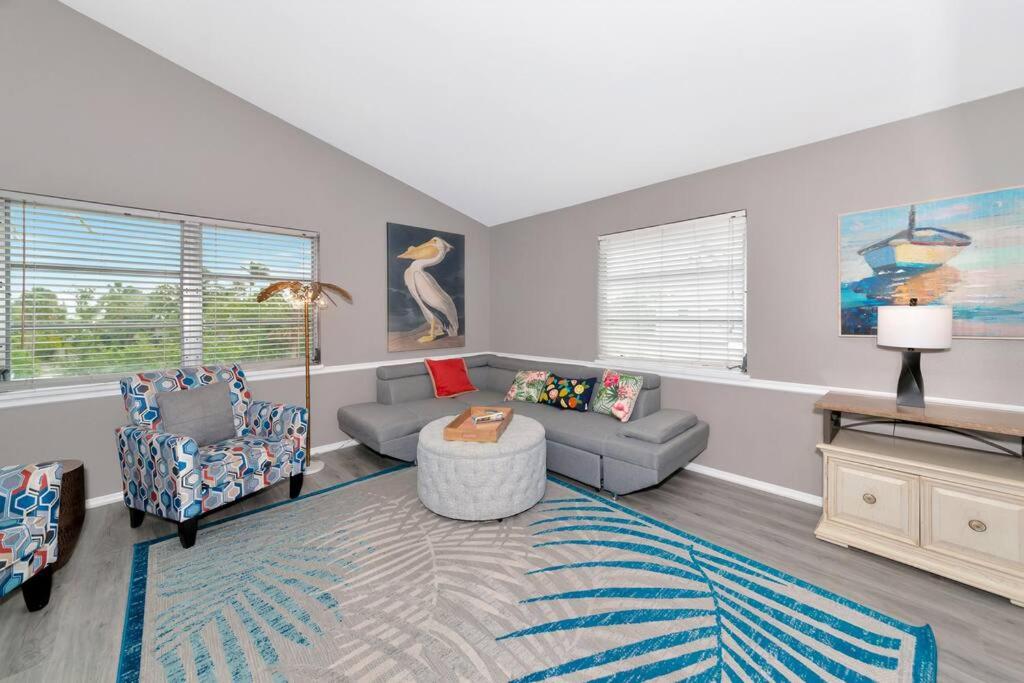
<point x="597" y="450"/>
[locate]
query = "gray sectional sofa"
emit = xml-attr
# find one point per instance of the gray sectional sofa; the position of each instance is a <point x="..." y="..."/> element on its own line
<point x="598" y="450"/>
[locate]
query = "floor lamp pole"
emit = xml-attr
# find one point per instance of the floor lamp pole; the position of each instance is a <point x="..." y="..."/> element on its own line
<point x="312" y="467"/>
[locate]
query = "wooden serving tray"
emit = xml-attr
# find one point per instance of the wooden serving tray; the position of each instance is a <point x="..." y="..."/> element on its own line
<point x="463" y="429"/>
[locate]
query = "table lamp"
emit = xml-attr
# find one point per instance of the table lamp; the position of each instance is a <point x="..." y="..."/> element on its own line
<point x="914" y="328"/>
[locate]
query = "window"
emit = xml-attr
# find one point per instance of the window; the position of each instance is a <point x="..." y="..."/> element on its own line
<point x="675" y="293"/>
<point x="89" y="291"/>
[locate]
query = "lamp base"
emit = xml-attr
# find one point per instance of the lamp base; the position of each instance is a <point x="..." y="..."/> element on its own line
<point x="314" y="466"/>
<point x="910" y="388"/>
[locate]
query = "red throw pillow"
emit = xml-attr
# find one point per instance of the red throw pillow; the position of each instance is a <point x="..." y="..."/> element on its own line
<point x="450" y="377"/>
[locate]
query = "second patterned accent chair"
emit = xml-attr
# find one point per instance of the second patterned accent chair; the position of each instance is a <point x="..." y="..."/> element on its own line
<point x="29" y="505"/>
<point x="172" y="476"/>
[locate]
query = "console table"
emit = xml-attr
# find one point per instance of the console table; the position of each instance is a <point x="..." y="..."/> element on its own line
<point x="954" y="511"/>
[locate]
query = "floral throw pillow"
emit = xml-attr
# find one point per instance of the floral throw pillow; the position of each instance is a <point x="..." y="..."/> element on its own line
<point x="616" y="395"/>
<point x="567" y="393"/>
<point x="527" y="386"/>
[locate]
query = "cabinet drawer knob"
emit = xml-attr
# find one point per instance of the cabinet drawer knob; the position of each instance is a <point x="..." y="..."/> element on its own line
<point x="869" y="498"/>
<point x="977" y="525"/>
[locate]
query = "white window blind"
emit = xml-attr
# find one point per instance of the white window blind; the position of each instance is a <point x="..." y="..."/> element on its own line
<point x="89" y="292"/>
<point x="675" y="293"/>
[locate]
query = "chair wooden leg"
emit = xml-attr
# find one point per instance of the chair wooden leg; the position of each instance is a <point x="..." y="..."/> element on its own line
<point x="295" y="485"/>
<point x="135" y="517"/>
<point x="187" y="532"/>
<point x="36" y="590"/>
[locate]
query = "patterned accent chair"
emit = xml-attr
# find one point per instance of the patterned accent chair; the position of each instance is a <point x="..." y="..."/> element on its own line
<point x="171" y="476"/>
<point x="29" y="505"/>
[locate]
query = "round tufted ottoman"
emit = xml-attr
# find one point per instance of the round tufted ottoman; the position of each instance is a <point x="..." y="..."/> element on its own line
<point x="478" y="481"/>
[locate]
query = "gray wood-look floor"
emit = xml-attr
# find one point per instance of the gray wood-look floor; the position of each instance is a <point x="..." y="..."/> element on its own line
<point x="980" y="636"/>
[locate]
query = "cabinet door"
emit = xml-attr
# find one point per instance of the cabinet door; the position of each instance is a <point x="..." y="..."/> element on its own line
<point x="874" y="499"/>
<point x="973" y="524"/>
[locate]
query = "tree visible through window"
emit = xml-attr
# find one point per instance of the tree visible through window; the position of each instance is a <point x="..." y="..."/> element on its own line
<point x="91" y="293"/>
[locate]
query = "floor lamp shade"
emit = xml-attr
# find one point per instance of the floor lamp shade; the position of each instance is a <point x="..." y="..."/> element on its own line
<point x="913" y="328"/>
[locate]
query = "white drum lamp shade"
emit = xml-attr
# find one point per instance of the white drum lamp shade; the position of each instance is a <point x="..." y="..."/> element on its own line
<point x="915" y="327"/>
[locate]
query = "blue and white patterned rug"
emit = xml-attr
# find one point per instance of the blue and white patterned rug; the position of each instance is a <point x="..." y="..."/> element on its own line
<point x="360" y="582"/>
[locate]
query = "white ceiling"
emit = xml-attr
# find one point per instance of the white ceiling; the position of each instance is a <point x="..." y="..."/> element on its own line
<point x="507" y="109"/>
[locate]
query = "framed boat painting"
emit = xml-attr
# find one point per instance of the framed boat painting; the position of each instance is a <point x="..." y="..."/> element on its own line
<point x="966" y="252"/>
<point x="426" y="289"/>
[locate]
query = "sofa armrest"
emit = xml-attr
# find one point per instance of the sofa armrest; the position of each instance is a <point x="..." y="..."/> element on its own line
<point x="160" y="472"/>
<point x="659" y="427"/>
<point x="268" y="420"/>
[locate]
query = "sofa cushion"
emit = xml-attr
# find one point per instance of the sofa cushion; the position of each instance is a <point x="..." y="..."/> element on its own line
<point x="568" y="393"/>
<point x="430" y="409"/>
<point x="203" y="413"/>
<point x="651" y="381"/>
<point x="483" y="397"/>
<point x="449" y="375"/>
<point x="655" y="455"/>
<point x="586" y="431"/>
<point x="527" y="385"/>
<point x="402" y="389"/>
<point x="376" y="423"/>
<point x="416" y="368"/>
<point x="659" y="427"/>
<point x="616" y="394"/>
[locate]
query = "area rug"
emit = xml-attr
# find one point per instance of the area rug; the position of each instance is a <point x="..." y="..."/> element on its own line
<point x="360" y="582"/>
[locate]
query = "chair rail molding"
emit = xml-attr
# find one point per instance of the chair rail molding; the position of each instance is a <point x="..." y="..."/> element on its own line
<point x="73" y="392"/>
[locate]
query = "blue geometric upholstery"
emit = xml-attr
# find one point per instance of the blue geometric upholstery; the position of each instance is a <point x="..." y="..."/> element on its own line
<point x="171" y="476"/>
<point x="29" y="506"/>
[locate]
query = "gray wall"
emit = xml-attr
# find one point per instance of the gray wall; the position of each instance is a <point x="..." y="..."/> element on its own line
<point x="793" y="200"/>
<point x="90" y="115"/>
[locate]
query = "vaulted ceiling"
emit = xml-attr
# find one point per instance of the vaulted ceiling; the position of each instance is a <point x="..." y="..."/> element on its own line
<point x="507" y="109"/>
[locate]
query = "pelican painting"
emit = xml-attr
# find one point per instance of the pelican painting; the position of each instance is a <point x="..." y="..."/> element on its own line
<point x="426" y="283"/>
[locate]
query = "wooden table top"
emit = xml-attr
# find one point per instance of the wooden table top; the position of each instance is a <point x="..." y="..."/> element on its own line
<point x="1007" y="422"/>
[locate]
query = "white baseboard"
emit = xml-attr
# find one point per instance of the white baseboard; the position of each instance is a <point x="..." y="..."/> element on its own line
<point x="98" y="501"/>
<point x="765" y="486"/>
<point x="328" y="447"/>
<point x="117" y="497"/>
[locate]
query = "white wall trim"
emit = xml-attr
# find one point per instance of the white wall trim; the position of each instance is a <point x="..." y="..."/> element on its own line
<point x="98" y="501"/>
<point x="753" y="383"/>
<point x="57" y="394"/>
<point x="75" y="392"/>
<point x="328" y="447"/>
<point x="749" y="482"/>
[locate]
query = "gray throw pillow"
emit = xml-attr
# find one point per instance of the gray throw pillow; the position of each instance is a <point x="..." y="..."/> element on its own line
<point x="203" y="413"/>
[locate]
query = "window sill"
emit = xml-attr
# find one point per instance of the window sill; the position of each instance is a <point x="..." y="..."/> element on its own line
<point x="677" y="371"/>
<point x="70" y="392"/>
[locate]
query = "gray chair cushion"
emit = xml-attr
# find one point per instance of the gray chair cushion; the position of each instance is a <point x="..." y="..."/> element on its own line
<point x="203" y="413"/>
<point x="659" y="427"/>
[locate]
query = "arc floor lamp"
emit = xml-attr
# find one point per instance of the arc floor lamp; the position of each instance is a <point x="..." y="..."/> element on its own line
<point x="305" y="295"/>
